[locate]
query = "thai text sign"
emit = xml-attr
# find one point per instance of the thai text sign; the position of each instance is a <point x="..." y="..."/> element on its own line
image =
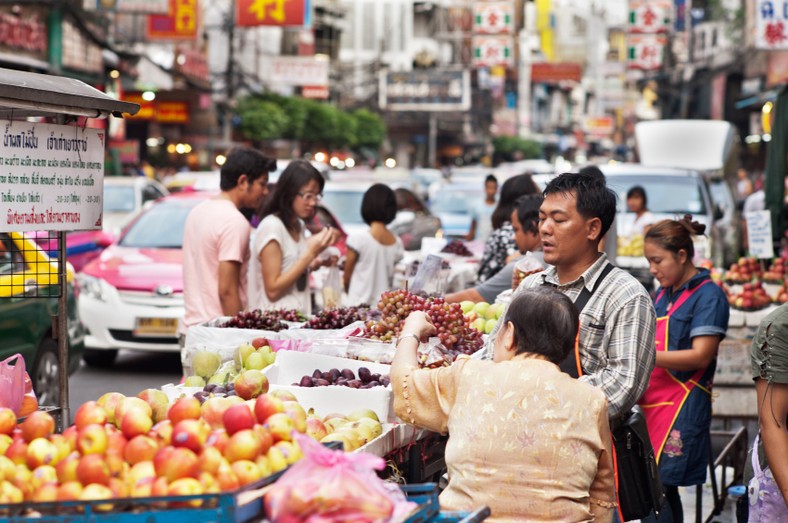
<point x="51" y="177"/>
<point x="270" y="12"/>
<point x="298" y="70"/>
<point x="759" y="234"/>
<point x="771" y="24"/>
<point x="425" y="91"/>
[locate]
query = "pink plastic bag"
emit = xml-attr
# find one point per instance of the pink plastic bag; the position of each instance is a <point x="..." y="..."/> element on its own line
<point x="12" y="382"/>
<point x="331" y="485"/>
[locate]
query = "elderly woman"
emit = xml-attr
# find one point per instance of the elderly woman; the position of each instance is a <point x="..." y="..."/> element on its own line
<point x="526" y="440"/>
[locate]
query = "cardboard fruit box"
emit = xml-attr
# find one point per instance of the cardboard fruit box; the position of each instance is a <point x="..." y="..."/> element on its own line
<point x="291" y="366"/>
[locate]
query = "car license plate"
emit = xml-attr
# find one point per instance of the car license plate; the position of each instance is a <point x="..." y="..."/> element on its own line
<point x="156" y="327"/>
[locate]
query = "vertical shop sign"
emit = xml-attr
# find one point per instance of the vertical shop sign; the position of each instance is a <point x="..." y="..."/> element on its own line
<point x="645" y="51"/>
<point x="181" y="23"/>
<point x="771" y="24"/>
<point x="493" y="17"/>
<point x="270" y="12"/>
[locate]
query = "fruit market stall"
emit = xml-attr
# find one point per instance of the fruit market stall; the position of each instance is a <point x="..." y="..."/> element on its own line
<point x="460" y="263"/>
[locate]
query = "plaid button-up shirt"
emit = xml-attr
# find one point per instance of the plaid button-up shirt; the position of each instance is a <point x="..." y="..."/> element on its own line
<point x="617" y="329"/>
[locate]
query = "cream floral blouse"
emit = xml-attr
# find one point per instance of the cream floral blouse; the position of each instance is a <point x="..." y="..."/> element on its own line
<point x="525" y="439"/>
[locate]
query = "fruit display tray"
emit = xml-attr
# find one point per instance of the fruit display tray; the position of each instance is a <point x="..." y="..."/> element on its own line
<point x="291" y="366"/>
<point x="426" y="495"/>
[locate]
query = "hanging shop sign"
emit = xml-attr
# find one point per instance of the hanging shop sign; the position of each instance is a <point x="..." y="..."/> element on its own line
<point x="23" y="32"/>
<point x="425" y="91"/>
<point x="270" y="12"/>
<point x="297" y="70"/>
<point x="599" y="126"/>
<point x="771" y="24"/>
<point x="553" y="73"/>
<point x="492" y="50"/>
<point x="315" y="92"/>
<point x="650" y="16"/>
<point x="645" y="52"/>
<point x="129" y="6"/>
<point x="180" y="23"/>
<point x="191" y="63"/>
<point x="172" y="112"/>
<point x="493" y="17"/>
<point x="52" y="177"/>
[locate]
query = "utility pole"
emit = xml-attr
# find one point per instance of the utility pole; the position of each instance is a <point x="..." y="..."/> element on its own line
<point x="227" y="130"/>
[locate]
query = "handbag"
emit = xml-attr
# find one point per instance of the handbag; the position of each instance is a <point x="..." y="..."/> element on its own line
<point x="640" y="490"/>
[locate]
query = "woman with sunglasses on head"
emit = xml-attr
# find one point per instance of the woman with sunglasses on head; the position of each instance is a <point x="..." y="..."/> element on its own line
<point x="282" y="255"/>
<point x="372" y="254"/>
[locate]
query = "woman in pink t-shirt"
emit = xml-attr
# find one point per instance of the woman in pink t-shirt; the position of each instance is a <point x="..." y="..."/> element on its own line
<point x="282" y="255"/>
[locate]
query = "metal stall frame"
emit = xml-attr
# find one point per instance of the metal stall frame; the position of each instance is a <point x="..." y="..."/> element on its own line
<point x="62" y="100"/>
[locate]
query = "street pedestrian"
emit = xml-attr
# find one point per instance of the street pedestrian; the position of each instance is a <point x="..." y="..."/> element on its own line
<point x="282" y="255"/>
<point x="637" y="203"/>
<point x="616" y="339"/>
<point x="481" y="213"/>
<point x="500" y="245"/>
<point x="692" y="319"/>
<point x="768" y="476"/>
<point x="525" y="439"/>
<point x="216" y="240"/>
<point x="525" y="222"/>
<point x="372" y="254"/>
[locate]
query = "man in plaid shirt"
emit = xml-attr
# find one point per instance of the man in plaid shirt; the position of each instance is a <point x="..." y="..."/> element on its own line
<point x="618" y="321"/>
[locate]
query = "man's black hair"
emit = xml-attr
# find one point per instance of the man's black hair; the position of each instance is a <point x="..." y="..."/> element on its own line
<point x="491" y="178"/>
<point x="527" y="208"/>
<point x="594" y="199"/>
<point x="244" y="160"/>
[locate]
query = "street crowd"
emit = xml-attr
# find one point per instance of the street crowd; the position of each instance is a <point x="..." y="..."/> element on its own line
<point x="581" y="344"/>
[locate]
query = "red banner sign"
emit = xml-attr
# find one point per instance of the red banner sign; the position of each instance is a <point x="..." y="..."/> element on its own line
<point x="147" y="109"/>
<point x="180" y="24"/>
<point x="172" y="112"/>
<point x="270" y="12"/>
<point x="317" y="92"/>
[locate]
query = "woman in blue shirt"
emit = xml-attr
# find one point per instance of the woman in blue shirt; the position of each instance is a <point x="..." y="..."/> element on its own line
<point x="692" y="319"/>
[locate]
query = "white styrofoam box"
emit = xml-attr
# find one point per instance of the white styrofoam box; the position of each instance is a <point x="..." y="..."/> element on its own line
<point x="754" y="318"/>
<point x="772" y="289"/>
<point x="290" y="367"/>
<point x="736" y="319"/>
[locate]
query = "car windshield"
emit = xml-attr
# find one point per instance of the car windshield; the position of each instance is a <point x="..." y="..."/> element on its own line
<point x="665" y="194"/>
<point x="346" y="205"/>
<point x="119" y="198"/>
<point x="159" y="227"/>
<point x="461" y="202"/>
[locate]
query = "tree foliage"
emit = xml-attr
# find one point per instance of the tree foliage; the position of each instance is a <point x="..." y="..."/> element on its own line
<point x="317" y="124"/>
<point x="511" y="148"/>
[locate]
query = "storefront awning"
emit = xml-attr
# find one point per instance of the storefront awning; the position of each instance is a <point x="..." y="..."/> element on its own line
<point x="757" y="100"/>
<point x="25" y="94"/>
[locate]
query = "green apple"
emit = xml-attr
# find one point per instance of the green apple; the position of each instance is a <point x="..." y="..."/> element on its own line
<point x="205" y="363"/>
<point x="481" y="308"/>
<point x="265" y="349"/>
<point x="478" y="324"/>
<point x="270" y="358"/>
<point x="255" y="361"/>
<point x="489" y="326"/>
<point x="467" y="306"/>
<point x="494" y="312"/>
<point x="194" y="381"/>
<point x="243" y="352"/>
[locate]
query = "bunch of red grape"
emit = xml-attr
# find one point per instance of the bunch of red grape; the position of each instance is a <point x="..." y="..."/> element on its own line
<point x="270" y="320"/>
<point x="338" y="318"/>
<point x="455" y="334"/>
<point x="457" y="247"/>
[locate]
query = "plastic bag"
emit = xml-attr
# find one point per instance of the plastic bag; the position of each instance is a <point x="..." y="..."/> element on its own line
<point x="332" y="288"/>
<point x="526" y="266"/>
<point x="331" y="485"/>
<point x="431" y="276"/>
<point x="15" y="385"/>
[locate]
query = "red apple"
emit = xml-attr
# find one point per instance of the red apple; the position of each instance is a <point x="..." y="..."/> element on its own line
<point x="213" y="409"/>
<point x="190" y="433"/>
<point x="140" y="448"/>
<point x="97" y="491"/>
<point x="41" y="451"/>
<point x="281" y="426"/>
<point x="162" y="432"/>
<point x="109" y="403"/>
<point x="39" y="424"/>
<point x="67" y="468"/>
<point x="136" y="422"/>
<point x="92" y="440"/>
<point x="227" y="479"/>
<point x="250" y="384"/>
<point x="185" y="487"/>
<point x="93" y="469"/>
<point x="7" y="421"/>
<point x="245" y="444"/>
<point x="46" y="493"/>
<point x="246" y="471"/>
<point x="69" y="491"/>
<point x="297" y="414"/>
<point x="127" y="404"/>
<point x="267" y="405"/>
<point x="210" y="460"/>
<point x="315" y="428"/>
<point x="259" y="342"/>
<point x="174" y="463"/>
<point x="266" y="439"/>
<point x="118" y="488"/>
<point x="90" y="413"/>
<point x="218" y="438"/>
<point x="184" y="408"/>
<point x="283" y="395"/>
<point x="17" y="452"/>
<point x="237" y="418"/>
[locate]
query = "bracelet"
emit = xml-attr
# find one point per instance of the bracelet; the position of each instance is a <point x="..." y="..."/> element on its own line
<point x="399" y="339"/>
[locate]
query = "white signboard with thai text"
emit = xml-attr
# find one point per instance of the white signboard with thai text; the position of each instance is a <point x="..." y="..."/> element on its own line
<point x="51" y="177"/>
<point x="771" y="24"/>
<point x="297" y="70"/>
<point x="759" y="234"/>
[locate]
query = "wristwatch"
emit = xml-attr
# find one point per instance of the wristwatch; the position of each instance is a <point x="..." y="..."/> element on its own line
<point x="405" y="336"/>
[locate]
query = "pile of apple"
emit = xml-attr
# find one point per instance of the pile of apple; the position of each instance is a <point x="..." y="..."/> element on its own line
<point x="753" y="297"/>
<point x="482" y="316"/>
<point x="207" y="366"/>
<point x="743" y="271"/>
<point x="116" y="449"/>
<point x="776" y="271"/>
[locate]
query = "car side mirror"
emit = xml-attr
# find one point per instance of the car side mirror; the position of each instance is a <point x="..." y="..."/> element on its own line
<point x="718" y="213"/>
